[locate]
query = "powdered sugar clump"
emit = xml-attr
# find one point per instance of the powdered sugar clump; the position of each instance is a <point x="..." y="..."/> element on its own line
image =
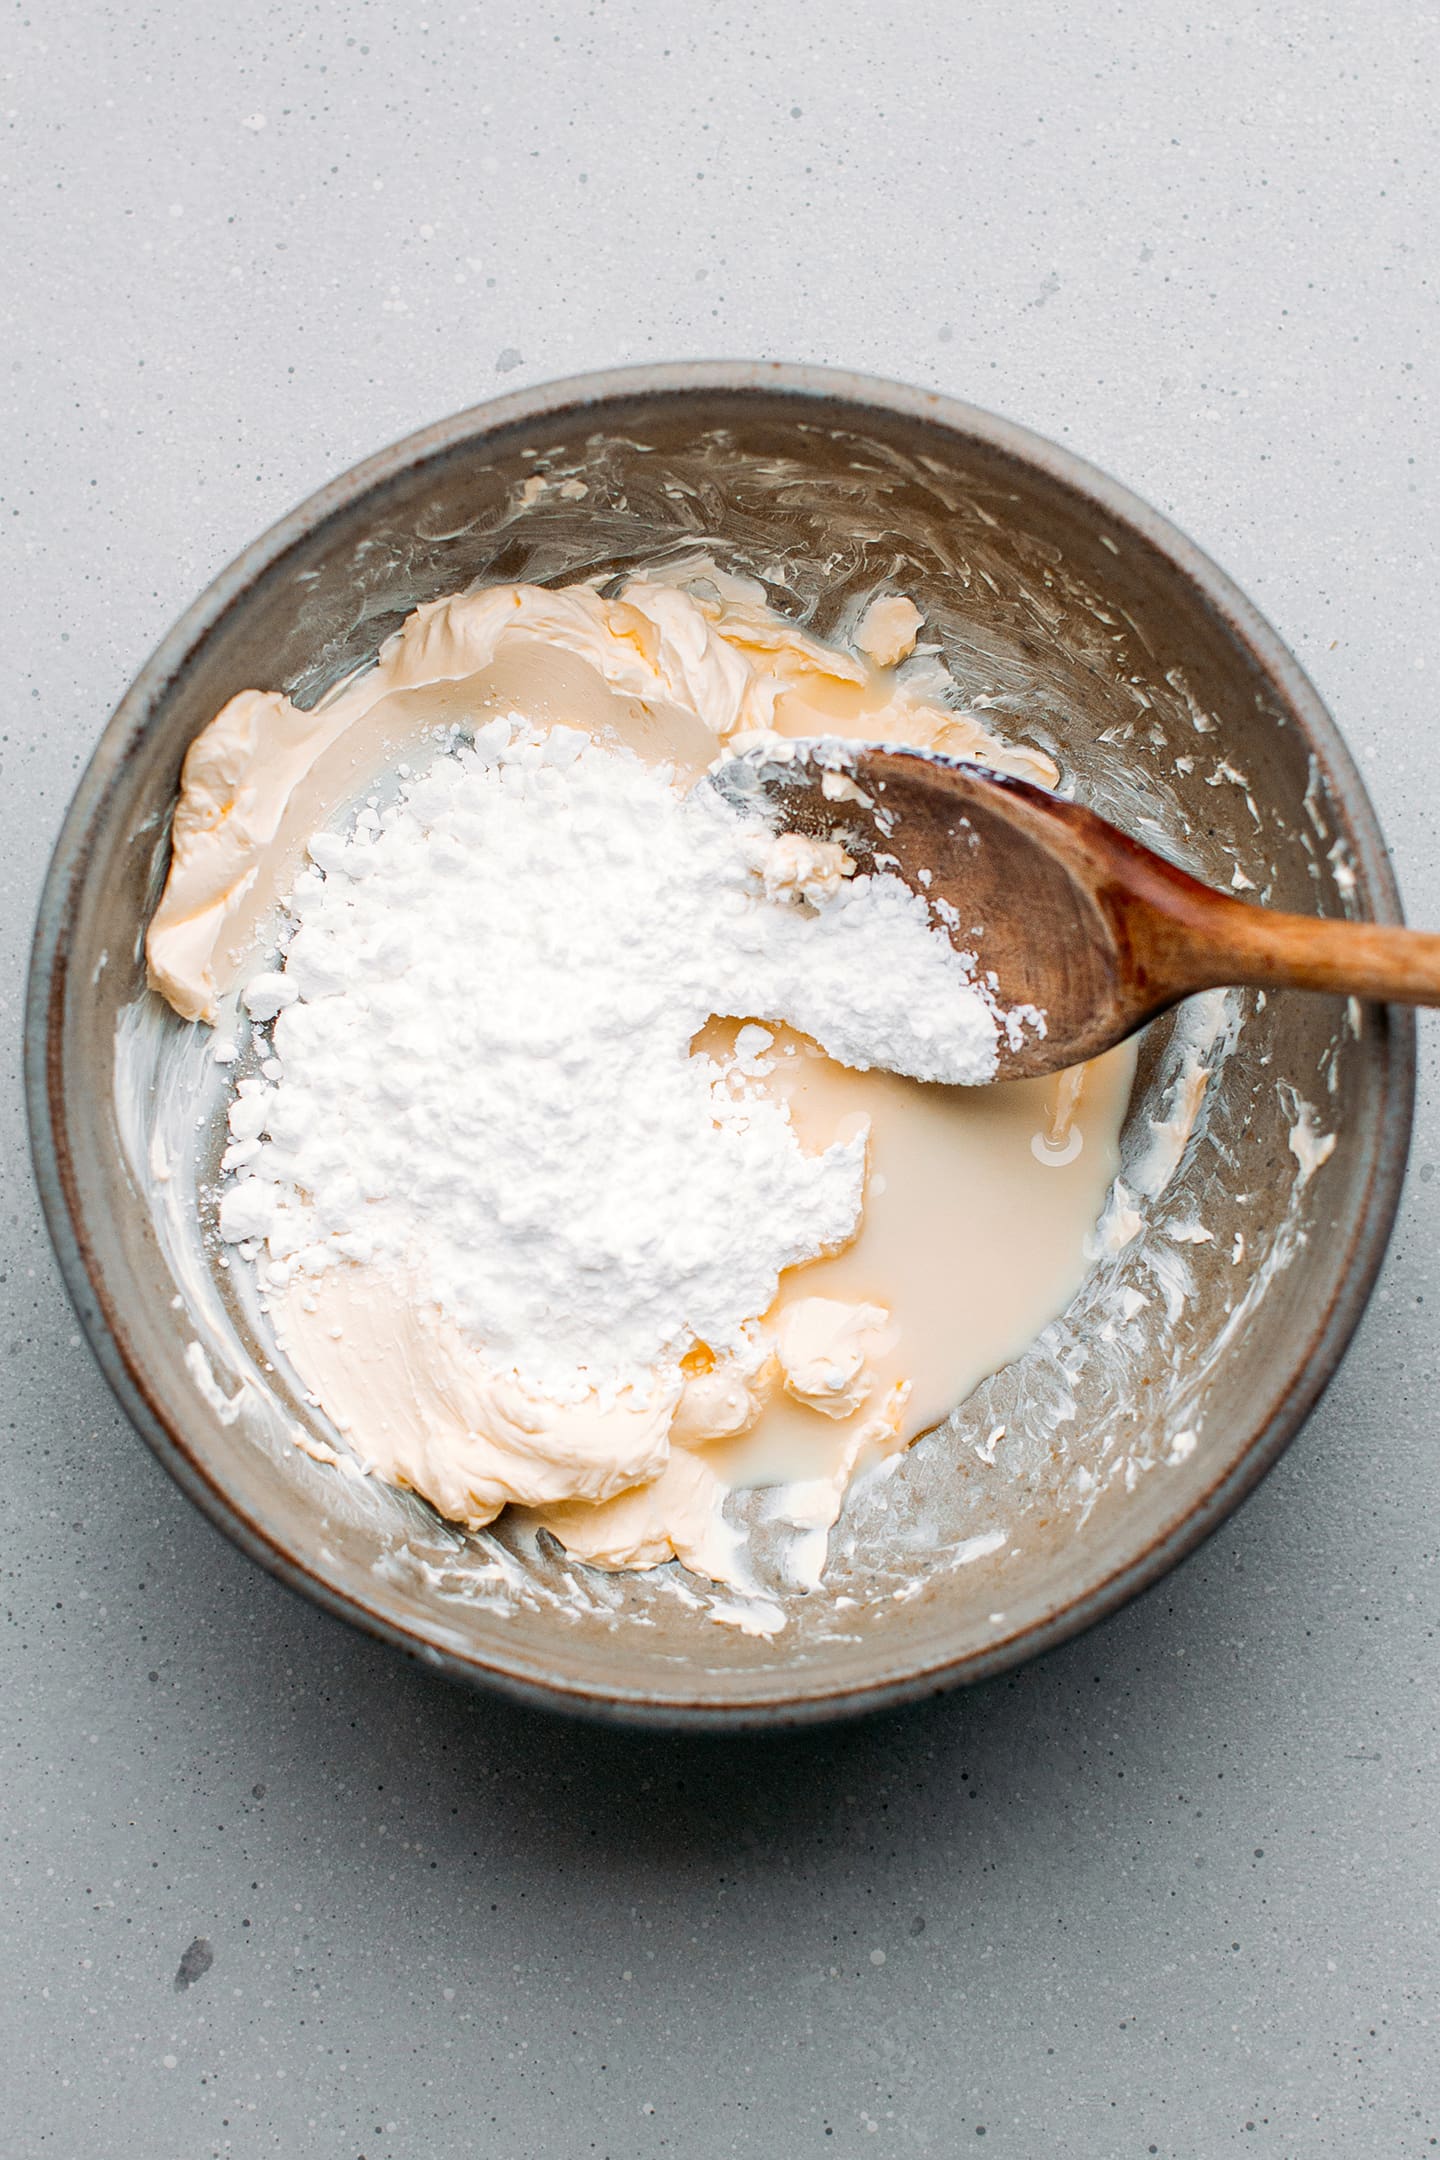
<point x="483" y="1025"/>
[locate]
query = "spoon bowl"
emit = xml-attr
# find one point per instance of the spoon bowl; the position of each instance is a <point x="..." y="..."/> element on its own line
<point x="1068" y="917"/>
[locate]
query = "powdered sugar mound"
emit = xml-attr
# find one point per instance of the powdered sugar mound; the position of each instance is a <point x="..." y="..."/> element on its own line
<point x="483" y="1025"/>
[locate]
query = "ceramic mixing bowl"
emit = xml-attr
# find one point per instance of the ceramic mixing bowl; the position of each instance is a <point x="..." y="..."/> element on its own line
<point x="1073" y="616"/>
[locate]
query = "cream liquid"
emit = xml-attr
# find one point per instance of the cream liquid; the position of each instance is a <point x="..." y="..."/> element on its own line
<point x="974" y="1233"/>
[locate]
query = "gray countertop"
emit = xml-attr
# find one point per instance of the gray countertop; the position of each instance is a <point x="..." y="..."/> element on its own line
<point x="267" y="1888"/>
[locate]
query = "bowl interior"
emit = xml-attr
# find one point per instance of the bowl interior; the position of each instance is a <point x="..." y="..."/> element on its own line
<point x="1069" y="614"/>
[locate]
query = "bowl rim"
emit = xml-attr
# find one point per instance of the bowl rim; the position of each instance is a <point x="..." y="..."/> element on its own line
<point x="579" y="395"/>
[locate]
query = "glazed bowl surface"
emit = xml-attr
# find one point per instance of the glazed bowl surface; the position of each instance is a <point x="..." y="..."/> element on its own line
<point x="1070" y="615"/>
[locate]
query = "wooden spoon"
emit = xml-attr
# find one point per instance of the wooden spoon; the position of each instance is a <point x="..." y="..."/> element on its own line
<point x="1067" y="912"/>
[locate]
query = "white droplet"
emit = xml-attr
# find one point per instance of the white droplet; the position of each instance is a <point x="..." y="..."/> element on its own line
<point x="1044" y="1149"/>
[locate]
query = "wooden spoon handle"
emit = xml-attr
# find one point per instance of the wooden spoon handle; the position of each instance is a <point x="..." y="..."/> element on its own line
<point x="1200" y="939"/>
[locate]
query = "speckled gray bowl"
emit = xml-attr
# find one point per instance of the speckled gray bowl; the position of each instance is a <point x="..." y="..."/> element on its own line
<point x="1079" y="619"/>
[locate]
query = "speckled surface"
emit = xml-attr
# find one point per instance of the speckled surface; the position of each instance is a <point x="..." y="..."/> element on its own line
<point x="266" y="1889"/>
